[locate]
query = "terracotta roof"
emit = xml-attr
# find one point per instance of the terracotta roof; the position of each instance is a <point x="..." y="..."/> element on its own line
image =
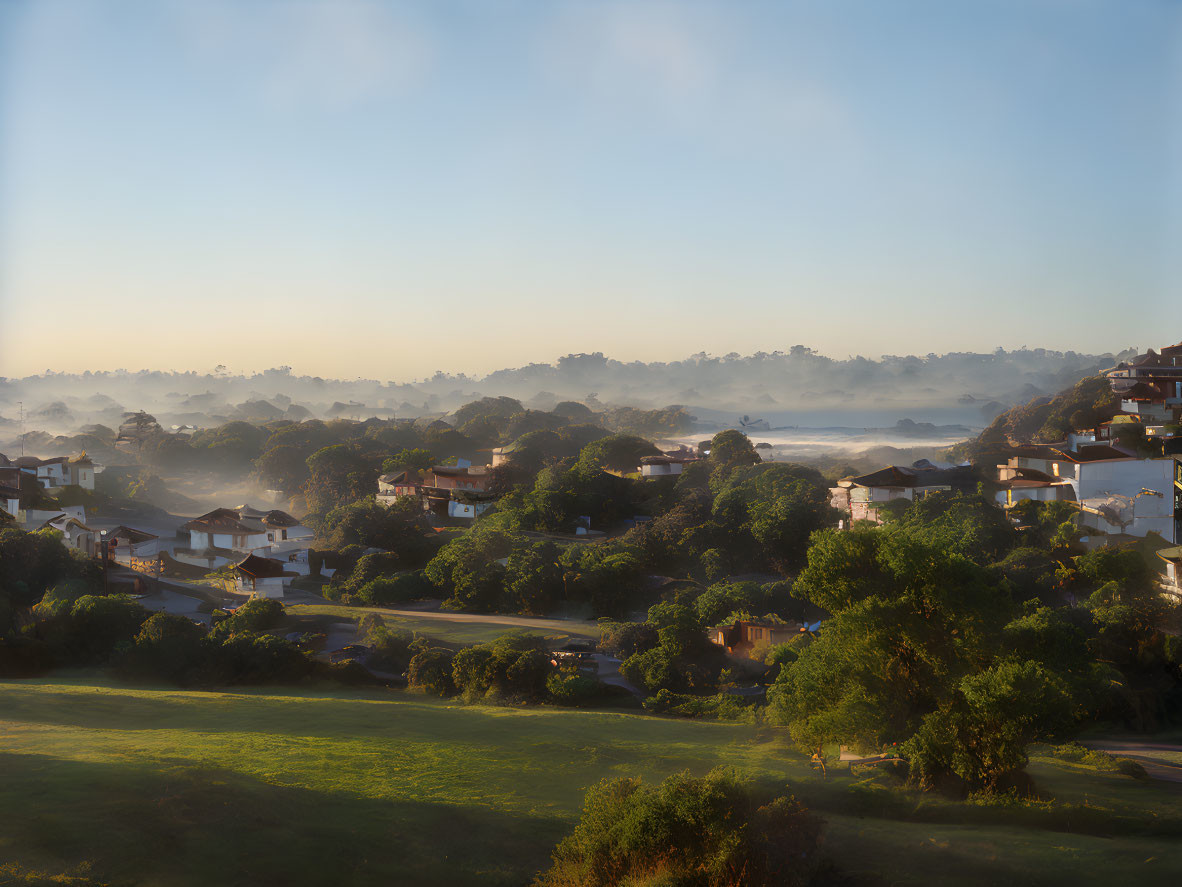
<point x="220" y="520"/>
<point x="260" y="567"/>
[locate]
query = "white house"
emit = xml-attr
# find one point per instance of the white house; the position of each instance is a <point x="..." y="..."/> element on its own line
<point x="59" y="471"/>
<point x="282" y="530"/>
<point x="223" y="529"/>
<point x="662" y="466"/>
<point x="861" y="497"/>
<point x="262" y="577"/>
<point x="1115" y="491"/>
<point x="129" y="542"/>
<point x="10" y="501"/>
<point x="80" y="470"/>
<point x="1173" y="571"/>
<point x="36" y="517"/>
<point x="75" y="534"/>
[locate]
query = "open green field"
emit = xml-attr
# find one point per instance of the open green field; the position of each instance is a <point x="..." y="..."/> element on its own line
<point x="328" y="786"/>
<point x="453" y="628"/>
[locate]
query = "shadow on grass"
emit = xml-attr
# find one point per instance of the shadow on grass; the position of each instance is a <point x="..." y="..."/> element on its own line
<point x="879" y="798"/>
<point x="133" y="823"/>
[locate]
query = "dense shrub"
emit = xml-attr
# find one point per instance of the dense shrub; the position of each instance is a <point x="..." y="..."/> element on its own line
<point x="717" y="831"/>
<point x="573" y="688"/>
<point x="429" y="671"/>
<point x="245" y="658"/>
<point x="719" y="707"/>
<point x="168" y="646"/>
<point x="396" y="589"/>
<point x="99" y="626"/>
<point x="389" y="647"/>
<point x="257" y="614"/>
<point x="515" y="667"/>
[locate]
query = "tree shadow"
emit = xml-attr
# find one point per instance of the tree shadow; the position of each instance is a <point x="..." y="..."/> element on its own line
<point x="133" y="822"/>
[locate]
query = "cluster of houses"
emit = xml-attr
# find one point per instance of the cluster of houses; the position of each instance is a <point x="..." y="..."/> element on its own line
<point x="50" y="474"/>
<point x="1117" y="490"/>
<point x="461" y="491"/>
<point x="27" y="508"/>
<point x="267" y="549"/>
<point x="464" y="491"/>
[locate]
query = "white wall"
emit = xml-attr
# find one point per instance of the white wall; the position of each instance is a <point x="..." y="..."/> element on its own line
<point x="269" y="587"/>
<point x="1099" y="480"/>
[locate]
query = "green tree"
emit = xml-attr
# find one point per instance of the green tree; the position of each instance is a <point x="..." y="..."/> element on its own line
<point x="982" y="734"/>
<point x="716" y="831"/>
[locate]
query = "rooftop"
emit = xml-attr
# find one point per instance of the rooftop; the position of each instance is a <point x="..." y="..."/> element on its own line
<point x="260" y="567"/>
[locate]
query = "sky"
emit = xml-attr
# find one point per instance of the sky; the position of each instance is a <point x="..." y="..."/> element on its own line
<point x="384" y="190"/>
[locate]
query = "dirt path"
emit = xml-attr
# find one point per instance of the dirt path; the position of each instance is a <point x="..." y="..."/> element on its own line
<point x="562" y="626"/>
<point x="1161" y="760"/>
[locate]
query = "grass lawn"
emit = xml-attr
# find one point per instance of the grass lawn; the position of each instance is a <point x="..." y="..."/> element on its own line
<point x="327" y="786"/>
<point x="453" y="630"/>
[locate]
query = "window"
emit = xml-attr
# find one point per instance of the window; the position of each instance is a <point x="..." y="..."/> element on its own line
<point x="1055" y="468"/>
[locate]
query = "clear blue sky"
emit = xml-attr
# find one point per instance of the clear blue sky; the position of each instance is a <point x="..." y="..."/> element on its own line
<point x="386" y="189"/>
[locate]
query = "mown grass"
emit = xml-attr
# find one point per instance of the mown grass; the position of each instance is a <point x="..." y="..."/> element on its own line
<point x="450" y="631"/>
<point x="322" y="785"/>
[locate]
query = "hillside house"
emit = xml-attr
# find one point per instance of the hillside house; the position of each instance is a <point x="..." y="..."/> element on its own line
<point x="861" y="497"/>
<point x="744" y="636"/>
<point x="80" y="471"/>
<point x="398" y="485"/>
<point x="1150" y="385"/>
<point x="1114" y="491"/>
<point x="36" y="517"/>
<point x="282" y="530"/>
<point x="1172" y="558"/>
<point x="75" y="534"/>
<point x="262" y="577"/>
<point x="50" y="473"/>
<point x="10" y="501"/>
<point x="471" y="477"/>
<point x="664" y="466"/>
<point x="223" y="534"/>
<point x="127" y="542"/>
<point x="57" y="471"/>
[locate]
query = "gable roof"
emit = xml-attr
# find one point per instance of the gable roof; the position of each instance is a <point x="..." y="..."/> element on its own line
<point x="63" y="520"/>
<point x="260" y="567"/>
<point x="902" y="476"/>
<point x="131" y="534"/>
<point x="1098" y="453"/>
<point x="220" y="520"/>
<point x="277" y="518"/>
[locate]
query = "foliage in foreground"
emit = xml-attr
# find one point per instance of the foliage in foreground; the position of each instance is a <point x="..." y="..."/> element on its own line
<point x="717" y="831"/>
